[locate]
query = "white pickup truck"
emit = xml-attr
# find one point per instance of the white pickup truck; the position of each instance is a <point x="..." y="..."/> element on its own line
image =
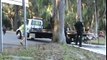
<point x="32" y="26"/>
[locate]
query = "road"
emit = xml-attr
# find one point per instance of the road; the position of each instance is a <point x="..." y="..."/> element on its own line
<point x="10" y="39"/>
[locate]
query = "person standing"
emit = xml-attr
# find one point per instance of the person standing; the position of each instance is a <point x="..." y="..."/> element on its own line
<point x="79" y="29"/>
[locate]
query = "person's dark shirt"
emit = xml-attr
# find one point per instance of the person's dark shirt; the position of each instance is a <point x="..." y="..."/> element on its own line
<point x="79" y="26"/>
<point x="65" y="30"/>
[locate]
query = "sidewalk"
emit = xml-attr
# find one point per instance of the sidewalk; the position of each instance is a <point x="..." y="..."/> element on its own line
<point x="101" y="49"/>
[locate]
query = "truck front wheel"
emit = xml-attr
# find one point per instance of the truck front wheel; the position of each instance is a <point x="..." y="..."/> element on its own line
<point x="28" y="35"/>
<point x="19" y="36"/>
<point x="68" y="41"/>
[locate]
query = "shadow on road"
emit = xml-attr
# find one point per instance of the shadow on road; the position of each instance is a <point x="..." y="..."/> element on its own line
<point x="45" y="40"/>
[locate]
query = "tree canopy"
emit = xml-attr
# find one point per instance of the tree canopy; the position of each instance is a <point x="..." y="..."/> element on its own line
<point x="43" y="8"/>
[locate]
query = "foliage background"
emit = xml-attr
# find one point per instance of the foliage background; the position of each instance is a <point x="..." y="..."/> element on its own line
<point x="13" y="15"/>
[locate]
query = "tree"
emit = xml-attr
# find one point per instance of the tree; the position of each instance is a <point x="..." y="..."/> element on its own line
<point x="16" y="20"/>
<point x="59" y="11"/>
<point x="9" y="14"/>
<point x="79" y="9"/>
<point x="42" y="8"/>
<point x="89" y="13"/>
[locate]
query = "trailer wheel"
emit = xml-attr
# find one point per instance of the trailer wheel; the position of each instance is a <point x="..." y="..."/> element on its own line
<point x="28" y="34"/>
<point x="68" y="41"/>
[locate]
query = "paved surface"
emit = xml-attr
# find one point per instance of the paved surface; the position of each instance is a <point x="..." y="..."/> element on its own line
<point x="95" y="48"/>
<point x="101" y="49"/>
<point x="10" y="40"/>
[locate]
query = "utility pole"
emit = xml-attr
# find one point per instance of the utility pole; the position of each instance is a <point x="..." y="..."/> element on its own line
<point x="1" y="31"/>
<point x="25" y="33"/>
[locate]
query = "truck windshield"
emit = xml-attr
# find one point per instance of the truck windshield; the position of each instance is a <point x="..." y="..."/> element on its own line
<point x="38" y="23"/>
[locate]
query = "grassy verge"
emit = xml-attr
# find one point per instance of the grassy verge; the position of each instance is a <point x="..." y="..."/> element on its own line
<point x="100" y="41"/>
<point x="51" y="51"/>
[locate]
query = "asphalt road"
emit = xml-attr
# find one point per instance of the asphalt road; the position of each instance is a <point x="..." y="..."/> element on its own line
<point x="10" y="40"/>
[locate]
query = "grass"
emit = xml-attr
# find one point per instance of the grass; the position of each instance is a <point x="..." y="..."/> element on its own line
<point x="51" y="51"/>
<point x="100" y="41"/>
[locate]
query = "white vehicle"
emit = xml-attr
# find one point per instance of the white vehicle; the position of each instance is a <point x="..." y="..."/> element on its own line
<point x="32" y="26"/>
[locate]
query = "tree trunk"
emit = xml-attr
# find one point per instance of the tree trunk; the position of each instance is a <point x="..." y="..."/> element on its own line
<point x="58" y="31"/>
<point x="79" y="9"/>
<point x="96" y="18"/>
<point x="92" y="22"/>
<point x="55" y="28"/>
<point x="16" y="21"/>
<point x="61" y="20"/>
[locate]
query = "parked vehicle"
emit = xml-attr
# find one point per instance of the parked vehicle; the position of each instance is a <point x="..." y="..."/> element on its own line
<point x="32" y="26"/>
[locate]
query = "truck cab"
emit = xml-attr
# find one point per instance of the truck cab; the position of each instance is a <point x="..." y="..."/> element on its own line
<point x="32" y="26"/>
